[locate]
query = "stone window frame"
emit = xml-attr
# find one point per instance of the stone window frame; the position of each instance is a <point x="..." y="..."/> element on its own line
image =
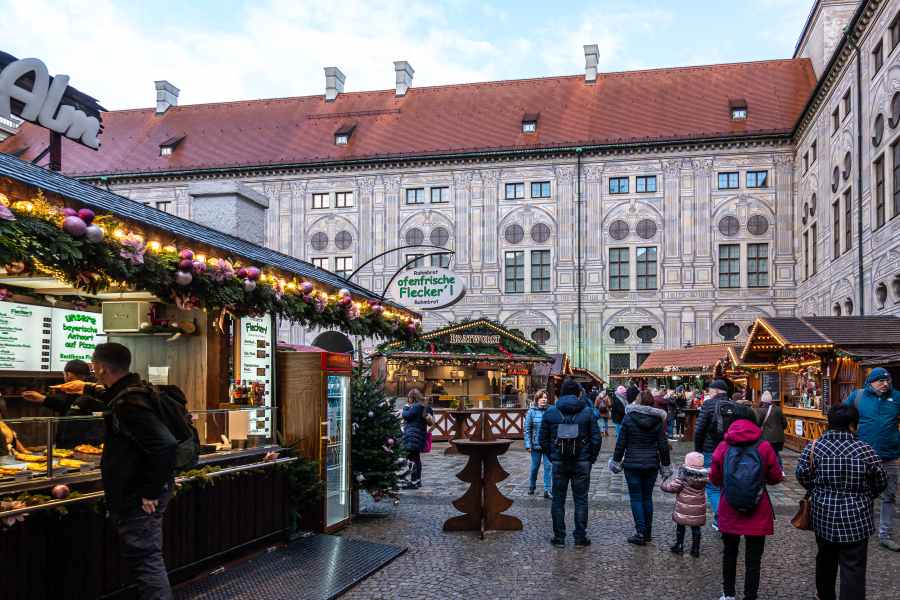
<point x="415" y="196"/>
<point x="321" y="200"/>
<point x="320" y="262"/>
<point x="343" y="240"/>
<point x="546" y="338"/>
<point x="645" y="180"/>
<point x="343" y="266"/>
<point x="541" y="227"/>
<point x="514" y="273"/>
<point x="760" y="179"/>
<point x="732" y="180"/>
<point x="758" y="265"/>
<point x="442" y="191"/>
<point x="541" y="275"/>
<point x="343" y="199"/>
<point x="514" y="190"/>
<point x="729" y="266"/>
<point x="319" y="241"/>
<point x="416" y="233"/>
<point x="514" y="234"/>
<point x="543" y="186"/>
<point x="621" y="279"/>
<point x="877" y="58"/>
<point x="619" y="185"/>
<point x="647" y="280"/>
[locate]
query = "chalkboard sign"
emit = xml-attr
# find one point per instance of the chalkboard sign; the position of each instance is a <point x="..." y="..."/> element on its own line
<point x="826" y="395"/>
<point x="771" y="382"/>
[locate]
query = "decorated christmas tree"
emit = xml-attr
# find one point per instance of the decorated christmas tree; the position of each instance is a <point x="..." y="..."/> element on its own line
<point x="377" y="449"/>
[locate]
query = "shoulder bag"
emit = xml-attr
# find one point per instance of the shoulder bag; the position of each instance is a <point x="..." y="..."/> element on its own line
<point x="803" y="519"/>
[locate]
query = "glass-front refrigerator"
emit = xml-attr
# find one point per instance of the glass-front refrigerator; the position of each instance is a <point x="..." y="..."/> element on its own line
<point x="336" y="439"/>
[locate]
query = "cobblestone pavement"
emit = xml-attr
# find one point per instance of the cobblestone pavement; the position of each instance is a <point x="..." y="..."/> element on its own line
<point x="523" y="565"/>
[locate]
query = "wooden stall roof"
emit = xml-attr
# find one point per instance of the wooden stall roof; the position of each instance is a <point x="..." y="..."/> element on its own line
<point x="863" y="337"/>
<point x="102" y="200"/>
<point x="702" y="358"/>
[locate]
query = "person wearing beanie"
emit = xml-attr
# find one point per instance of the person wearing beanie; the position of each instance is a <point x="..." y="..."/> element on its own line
<point x="772" y="421"/>
<point x="689" y="485"/>
<point x="620" y="401"/>
<point x="878" y="404"/>
<point x="712" y="423"/>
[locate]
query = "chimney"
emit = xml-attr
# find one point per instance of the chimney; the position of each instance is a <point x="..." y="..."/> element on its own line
<point x="404" y="72"/>
<point x="591" y="57"/>
<point x="334" y="83"/>
<point x="166" y="96"/>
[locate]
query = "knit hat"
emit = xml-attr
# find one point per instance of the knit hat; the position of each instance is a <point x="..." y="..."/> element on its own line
<point x="877" y="374"/>
<point x="766" y="397"/>
<point x="693" y="460"/>
<point x="718" y="384"/>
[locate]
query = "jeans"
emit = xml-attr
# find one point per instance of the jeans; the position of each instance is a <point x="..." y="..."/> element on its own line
<point x="712" y="492"/>
<point x="579" y="473"/>
<point x="754" y="546"/>
<point x="640" y="490"/>
<point x="618" y="427"/>
<point x="603" y="423"/>
<point x="670" y="426"/>
<point x="141" y="543"/>
<point x="416" y="473"/>
<point x="536" y="456"/>
<point x="852" y="560"/>
<point x="889" y="499"/>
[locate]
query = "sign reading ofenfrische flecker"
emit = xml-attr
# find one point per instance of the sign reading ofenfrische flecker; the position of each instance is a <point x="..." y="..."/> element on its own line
<point x="428" y="288"/>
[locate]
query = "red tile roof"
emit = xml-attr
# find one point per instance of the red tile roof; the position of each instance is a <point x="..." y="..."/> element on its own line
<point x="653" y="105"/>
<point x="706" y="355"/>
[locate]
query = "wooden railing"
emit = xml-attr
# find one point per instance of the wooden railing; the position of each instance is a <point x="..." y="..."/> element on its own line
<point x="507" y="423"/>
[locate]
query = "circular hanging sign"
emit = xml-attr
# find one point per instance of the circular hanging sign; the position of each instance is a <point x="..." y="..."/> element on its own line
<point x="428" y="288"/>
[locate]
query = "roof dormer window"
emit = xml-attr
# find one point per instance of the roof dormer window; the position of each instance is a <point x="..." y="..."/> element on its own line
<point x="342" y="135"/>
<point x="738" y="108"/>
<point x="167" y="148"/>
<point x="529" y="122"/>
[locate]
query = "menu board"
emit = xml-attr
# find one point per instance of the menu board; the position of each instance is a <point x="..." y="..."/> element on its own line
<point x="771" y="382"/>
<point x="256" y="356"/>
<point x="25" y="332"/>
<point x="75" y="335"/>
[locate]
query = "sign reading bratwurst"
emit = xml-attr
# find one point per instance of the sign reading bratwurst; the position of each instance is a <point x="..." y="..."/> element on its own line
<point x="428" y="288"/>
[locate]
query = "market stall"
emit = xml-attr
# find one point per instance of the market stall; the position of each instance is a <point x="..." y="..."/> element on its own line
<point x="476" y="365"/>
<point x="809" y="364"/>
<point x="198" y="309"/>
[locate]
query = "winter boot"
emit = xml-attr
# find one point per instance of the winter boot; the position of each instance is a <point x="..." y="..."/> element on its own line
<point x="695" y="543"/>
<point x="678" y="546"/>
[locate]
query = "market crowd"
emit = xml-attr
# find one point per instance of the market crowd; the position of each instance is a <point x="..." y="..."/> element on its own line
<point x="737" y="455"/>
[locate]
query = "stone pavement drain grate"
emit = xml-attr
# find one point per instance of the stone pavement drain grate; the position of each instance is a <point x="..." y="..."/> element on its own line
<point x="319" y="567"/>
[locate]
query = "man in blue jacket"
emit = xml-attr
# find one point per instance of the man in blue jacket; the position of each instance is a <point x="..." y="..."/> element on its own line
<point x="572" y="458"/>
<point x="879" y="416"/>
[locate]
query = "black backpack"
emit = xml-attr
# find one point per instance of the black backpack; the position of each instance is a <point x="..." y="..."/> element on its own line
<point x="724" y="417"/>
<point x="170" y="406"/>
<point x="568" y="438"/>
<point x="743" y="481"/>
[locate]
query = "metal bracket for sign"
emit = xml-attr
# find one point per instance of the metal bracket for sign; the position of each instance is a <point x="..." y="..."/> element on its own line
<point x="408" y="263"/>
<point x="397" y="249"/>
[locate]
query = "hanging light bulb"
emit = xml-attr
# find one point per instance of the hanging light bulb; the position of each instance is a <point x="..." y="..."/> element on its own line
<point x="119" y="233"/>
<point x="153" y="245"/>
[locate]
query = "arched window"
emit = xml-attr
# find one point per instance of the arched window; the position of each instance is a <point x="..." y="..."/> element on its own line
<point x="835" y="178"/>
<point x="848" y="307"/>
<point x="878" y="130"/>
<point x="895" y="111"/>
<point x="836" y="309"/>
<point x="848" y="164"/>
<point x="812" y="205"/>
<point x="881" y="295"/>
<point x="619" y="334"/>
<point x="729" y="331"/>
<point x="646" y="334"/>
<point x="319" y="240"/>
<point x="895" y="288"/>
<point x="540" y="335"/>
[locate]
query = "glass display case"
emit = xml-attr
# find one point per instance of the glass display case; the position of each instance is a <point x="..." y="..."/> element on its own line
<point x="76" y="444"/>
<point x="337" y="450"/>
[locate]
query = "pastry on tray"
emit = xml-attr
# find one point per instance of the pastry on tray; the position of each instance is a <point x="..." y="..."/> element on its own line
<point x="88" y="449"/>
<point x="10" y="471"/>
<point x="30" y="458"/>
<point x="37" y="467"/>
<point x="62" y="453"/>
<point x="71" y="463"/>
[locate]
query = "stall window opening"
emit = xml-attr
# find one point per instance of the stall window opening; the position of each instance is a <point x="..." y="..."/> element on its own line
<point x="515" y="272"/>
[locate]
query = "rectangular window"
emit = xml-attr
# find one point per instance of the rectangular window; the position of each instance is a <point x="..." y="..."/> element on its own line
<point x="895" y="178"/>
<point x="419" y="261"/>
<point x="836" y="229"/>
<point x="895" y="32"/>
<point x="540" y="189"/>
<point x="835" y="120"/>
<point x="805" y="255"/>
<point x="164" y="205"/>
<point x="343" y="266"/>
<point x="619" y="362"/>
<point x="729" y="181"/>
<point x="320" y="201"/>
<point x="515" y="191"/>
<point x="805" y="163"/>
<point x="757" y="179"/>
<point x="813" y="153"/>
<point x="845" y="103"/>
<point x="618" y="185"/>
<point x="415" y="196"/>
<point x="848" y="221"/>
<point x="879" y="192"/>
<point x="645" y="183"/>
<point x="729" y="266"/>
<point x="515" y="272"/>
<point x="440" y="195"/>
<point x="619" y="269"/>
<point x="321" y="263"/>
<point x="343" y="200"/>
<point x="540" y="270"/>
<point x="641" y="357"/>
<point x="877" y="58"/>
<point x="646" y="268"/>
<point x="757" y="265"/>
<point x="814" y="242"/>
<point x="440" y="260"/>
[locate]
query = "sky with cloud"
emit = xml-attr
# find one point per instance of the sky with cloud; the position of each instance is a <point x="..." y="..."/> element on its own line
<point x="229" y="50"/>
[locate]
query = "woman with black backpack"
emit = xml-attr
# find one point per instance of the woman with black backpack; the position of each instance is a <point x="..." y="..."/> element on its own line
<point x="742" y="466"/>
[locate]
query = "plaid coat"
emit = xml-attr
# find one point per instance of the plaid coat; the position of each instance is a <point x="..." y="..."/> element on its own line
<point x="848" y="477"/>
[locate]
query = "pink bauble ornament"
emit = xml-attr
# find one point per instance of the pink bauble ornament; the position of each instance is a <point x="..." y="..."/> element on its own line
<point x="242" y="272"/>
<point x="307" y="288"/>
<point x="74" y="226"/>
<point x="346" y="301"/>
<point x="93" y="234"/>
<point x="69" y="212"/>
<point x="411" y="327"/>
<point x="308" y="298"/>
<point x="60" y="491"/>
<point x="377" y="309"/>
<point x="249" y="285"/>
<point x="199" y="267"/>
<point x="390" y="441"/>
<point x="187" y="254"/>
<point x="86" y="215"/>
<point x="343" y="292"/>
<point x="183" y="279"/>
<point x="186" y="264"/>
<point x="253" y="273"/>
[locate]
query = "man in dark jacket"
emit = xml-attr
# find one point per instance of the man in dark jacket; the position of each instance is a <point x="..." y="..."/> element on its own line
<point x="138" y="467"/>
<point x="708" y="432"/>
<point x="570" y="409"/>
<point x="878" y="404"/>
<point x="77" y="397"/>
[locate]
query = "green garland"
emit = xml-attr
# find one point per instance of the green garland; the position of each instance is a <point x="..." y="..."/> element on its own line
<point x="439" y="345"/>
<point x="34" y="242"/>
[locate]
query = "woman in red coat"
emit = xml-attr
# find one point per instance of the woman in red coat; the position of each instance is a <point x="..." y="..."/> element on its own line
<point x="753" y="521"/>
